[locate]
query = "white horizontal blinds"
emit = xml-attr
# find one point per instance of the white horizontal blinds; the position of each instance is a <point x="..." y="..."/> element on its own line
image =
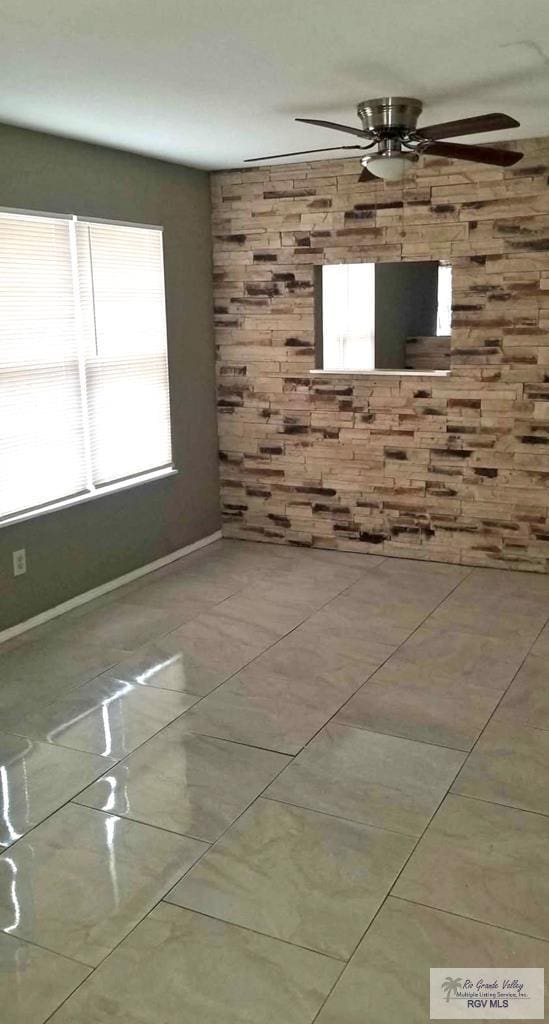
<point x="348" y="316"/>
<point x="126" y="369"/>
<point x="41" y="422"/>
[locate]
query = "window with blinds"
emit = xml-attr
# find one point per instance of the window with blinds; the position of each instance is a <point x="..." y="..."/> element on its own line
<point x="348" y="316"/>
<point x="84" y="392"/>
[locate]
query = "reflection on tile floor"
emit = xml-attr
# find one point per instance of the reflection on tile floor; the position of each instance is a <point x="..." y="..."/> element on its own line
<point x="211" y="779"/>
<point x="83" y="879"/>
<point x="106" y="716"/>
<point x="184" y="782"/>
<point x="37" y="778"/>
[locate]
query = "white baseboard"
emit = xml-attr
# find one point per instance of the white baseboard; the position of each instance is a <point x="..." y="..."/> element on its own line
<point x="89" y="595"/>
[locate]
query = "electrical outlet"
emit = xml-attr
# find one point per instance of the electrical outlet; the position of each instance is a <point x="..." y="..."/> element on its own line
<point x="19" y="562"/>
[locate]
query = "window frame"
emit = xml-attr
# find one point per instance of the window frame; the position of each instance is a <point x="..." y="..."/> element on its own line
<point x="319" y="369"/>
<point x="95" y="491"/>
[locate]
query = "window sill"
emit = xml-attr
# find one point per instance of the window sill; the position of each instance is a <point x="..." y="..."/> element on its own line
<point x="380" y="373"/>
<point x="82" y="499"/>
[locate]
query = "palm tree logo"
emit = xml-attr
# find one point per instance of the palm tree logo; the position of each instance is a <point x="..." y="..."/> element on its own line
<point x="450" y="986"/>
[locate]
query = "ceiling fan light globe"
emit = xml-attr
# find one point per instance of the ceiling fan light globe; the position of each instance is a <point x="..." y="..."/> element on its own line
<point x="390" y="166"/>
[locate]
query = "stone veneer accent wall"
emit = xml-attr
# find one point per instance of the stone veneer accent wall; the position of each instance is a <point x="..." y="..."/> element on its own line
<point x="453" y="469"/>
<point x="427" y="353"/>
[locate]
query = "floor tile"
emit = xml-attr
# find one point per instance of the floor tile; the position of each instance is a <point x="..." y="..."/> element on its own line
<point x="34" y="674"/>
<point x="490" y="662"/>
<point x="425" y="573"/>
<point x="322" y="690"/>
<point x="354" y="619"/>
<point x="541" y="646"/>
<point x="33" y="981"/>
<point x="259" y="719"/>
<point x="527" y="699"/>
<point x="105" y="717"/>
<point x="491" y="612"/>
<point x="38" y="778"/>
<point x="260" y="607"/>
<point x="119" y="623"/>
<point x="380" y="780"/>
<point x="391" y="602"/>
<point x="509" y="765"/>
<point x="406" y="593"/>
<point x="307" y="559"/>
<point x="505" y="582"/>
<point x="313" y="589"/>
<point x="285" y="695"/>
<point x="241" y="563"/>
<point x="485" y="861"/>
<point x="311" y="577"/>
<point x="169" y="664"/>
<point x="215" y="574"/>
<point x="177" y="586"/>
<point x="84" y="879"/>
<point x="178" y="966"/>
<point x="308" y="878"/>
<point x="449" y="720"/>
<point x="222" y="643"/>
<point x="181" y="607"/>
<point x="387" y="979"/>
<point x="331" y="639"/>
<point x="69" y="661"/>
<point x="306" y="663"/>
<point x="195" y="785"/>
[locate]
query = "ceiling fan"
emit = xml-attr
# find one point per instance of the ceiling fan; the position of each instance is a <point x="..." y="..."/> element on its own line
<point x="389" y="128"/>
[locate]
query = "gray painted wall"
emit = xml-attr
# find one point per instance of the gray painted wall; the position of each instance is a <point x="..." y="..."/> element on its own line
<point x="406" y="305"/>
<point x="71" y="551"/>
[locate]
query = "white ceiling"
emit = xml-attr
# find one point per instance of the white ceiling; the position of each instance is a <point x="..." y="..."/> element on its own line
<point x="209" y="82"/>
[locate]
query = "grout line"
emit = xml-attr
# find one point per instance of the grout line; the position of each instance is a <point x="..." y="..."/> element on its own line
<point x="338" y="817"/>
<point x="496" y="803"/>
<point x="138" y="821"/>
<point x="397" y="735"/>
<point x="46" y="949"/>
<point x="254" y="931"/>
<point x="463" y="917"/>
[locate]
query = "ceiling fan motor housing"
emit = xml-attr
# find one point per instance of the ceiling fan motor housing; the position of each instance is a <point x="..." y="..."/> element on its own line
<point x="390" y="115"/>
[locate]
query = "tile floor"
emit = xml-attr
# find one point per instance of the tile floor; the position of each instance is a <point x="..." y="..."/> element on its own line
<point x="271" y="785"/>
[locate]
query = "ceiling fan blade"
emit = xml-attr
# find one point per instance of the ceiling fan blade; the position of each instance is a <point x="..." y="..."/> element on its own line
<point x="337" y="127"/>
<point x="468" y="126"/>
<point x="300" y="152"/>
<point x="367" y="175"/>
<point x="479" y="154"/>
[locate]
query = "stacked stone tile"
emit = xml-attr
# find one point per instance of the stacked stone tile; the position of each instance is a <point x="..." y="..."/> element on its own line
<point x="424" y="353"/>
<point x="445" y="468"/>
